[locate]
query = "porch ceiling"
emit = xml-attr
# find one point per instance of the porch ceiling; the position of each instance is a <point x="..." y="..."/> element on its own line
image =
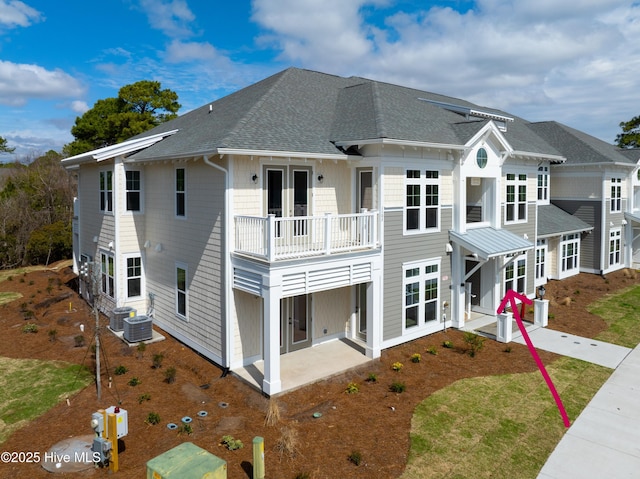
<point x="635" y="217"/>
<point x="490" y="242"/>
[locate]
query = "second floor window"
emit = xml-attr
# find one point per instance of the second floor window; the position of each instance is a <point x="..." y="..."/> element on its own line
<point x="106" y="191"/>
<point x="422" y="200"/>
<point x="516" y="204"/>
<point x="616" y="195"/>
<point x="133" y="190"/>
<point x="180" y="192"/>
<point x="543" y="184"/>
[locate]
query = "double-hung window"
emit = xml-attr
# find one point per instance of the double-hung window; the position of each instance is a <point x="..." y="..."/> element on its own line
<point x="515" y="275"/>
<point x="543" y="184"/>
<point x="181" y="290"/>
<point x="181" y="193"/>
<point x="616" y="195"/>
<point x="133" y="190"/>
<point x="134" y="276"/>
<point x="541" y="254"/>
<point x="422" y="200"/>
<point x="106" y="191"/>
<point x="421" y="293"/>
<point x="516" y="201"/>
<point x="615" y="237"/>
<point x="107" y="274"/>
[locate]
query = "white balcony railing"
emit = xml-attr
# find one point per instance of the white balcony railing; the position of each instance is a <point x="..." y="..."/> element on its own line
<point x="274" y="239"/>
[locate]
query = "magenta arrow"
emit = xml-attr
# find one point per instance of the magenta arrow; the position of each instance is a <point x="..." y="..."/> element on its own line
<point x="511" y="298"/>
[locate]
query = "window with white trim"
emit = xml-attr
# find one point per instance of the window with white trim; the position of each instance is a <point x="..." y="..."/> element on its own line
<point x="570" y="254"/>
<point x="615" y="240"/>
<point x="107" y="274"/>
<point x="616" y="195"/>
<point x="541" y="256"/>
<point x="421" y="293"/>
<point x="422" y="201"/>
<point x="106" y="191"/>
<point x="181" y="291"/>
<point x="133" y="190"/>
<point x="515" y="275"/>
<point x="516" y="201"/>
<point x="134" y="276"/>
<point x="181" y="193"/>
<point x="543" y="184"/>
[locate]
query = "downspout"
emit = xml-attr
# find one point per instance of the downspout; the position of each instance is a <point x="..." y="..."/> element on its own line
<point x="604" y="244"/>
<point x="227" y="266"/>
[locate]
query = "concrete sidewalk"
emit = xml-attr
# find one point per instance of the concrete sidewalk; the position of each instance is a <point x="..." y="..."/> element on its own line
<point x="604" y="441"/>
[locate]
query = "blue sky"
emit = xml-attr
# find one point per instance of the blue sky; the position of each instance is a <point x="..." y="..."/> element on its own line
<point x="574" y="62"/>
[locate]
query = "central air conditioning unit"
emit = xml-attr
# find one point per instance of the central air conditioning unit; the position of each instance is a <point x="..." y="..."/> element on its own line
<point x="138" y="328"/>
<point x="116" y="323"/>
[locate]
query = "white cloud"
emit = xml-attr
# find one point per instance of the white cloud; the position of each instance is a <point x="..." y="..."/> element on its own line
<point x="79" y="106"/>
<point x="178" y="52"/>
<point x="14" y="13"/>
<point x="21" y="82"/>
<point x="172" y="17"/>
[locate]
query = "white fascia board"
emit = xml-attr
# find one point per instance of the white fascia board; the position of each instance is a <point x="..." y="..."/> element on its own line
<point x="284" y="154"/>
<point x="118" y="149"/>
<point x="557" y="159"/>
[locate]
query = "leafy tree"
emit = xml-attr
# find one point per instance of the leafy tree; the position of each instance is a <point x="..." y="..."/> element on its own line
<point x="630" y="136"/>
<point x="3" y="146"/>
<point x="138" y="108"/>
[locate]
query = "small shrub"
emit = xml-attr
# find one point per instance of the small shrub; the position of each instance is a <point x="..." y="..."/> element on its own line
<point x="78" y="341"/>
<point x="232" y="444"/>
<point x="186" y="429"/>
<point x="53" y="335"/>
<point x="397" y="366"/>
<point x="551" y="316"/>
<point x="447" y="344"/>
<point x="134" y="381"/>
<point x="355" y="457"/>
<point x="352" y="388"/>
<point x="30" y="328"/>
<point x="22" y="280"/>
<point x="9" y="278"/>
<point x="303" y="475"/>
<point x="31" y="283"/>
<point x="157" y="360"/>
<point x="507" y="349"/>
<point x="170" y="375"/>
<point x="287" y="443"/>
<point x="120" y="370"/>
<point x="144" y="397"/>
<point x="475" y="342"/>
<point x="372" y="378"/>
<point x="415" y="358"/>
<point x="153" y="418"/>
<point x="432" y="350"/>
<point x="141" y="348"/>
<point x="397" y="387"/>
<point x="273" y="413"/>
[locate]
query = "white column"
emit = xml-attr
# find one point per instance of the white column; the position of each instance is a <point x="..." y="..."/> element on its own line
<point x="541" y="312"/>
<point x="457" y="288"/>
<point x="374" y="318"/>
<point x="271" y="383"/>
<point x="505" y="328"/>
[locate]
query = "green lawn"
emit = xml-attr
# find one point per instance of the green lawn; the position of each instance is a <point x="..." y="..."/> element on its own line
<point x="507" y="426"/>
<point x="29" y="387"/>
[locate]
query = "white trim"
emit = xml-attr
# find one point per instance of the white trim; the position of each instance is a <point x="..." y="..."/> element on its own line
<point x="421" y="278"/>
<point x="422" y="182"/>
<point x="573" y="238"/>
<point x="125" y="266"/>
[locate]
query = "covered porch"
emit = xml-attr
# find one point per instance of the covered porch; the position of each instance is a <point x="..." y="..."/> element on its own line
<point x="309" y="365"/>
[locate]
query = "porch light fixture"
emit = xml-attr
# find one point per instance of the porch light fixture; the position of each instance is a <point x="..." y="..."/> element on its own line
<point x="147" y="244"/>
<point x="448" y="248"/>
<point x="541" y="292"/>
<point x="320" y="178"/>
<point x="95" y="239"/>
<point x="254" y="178"/>
<point x="158" y="247"/>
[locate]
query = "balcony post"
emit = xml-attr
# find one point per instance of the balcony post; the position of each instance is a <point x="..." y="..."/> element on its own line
<point x="327" y="233"/>
<point x="271" y="237"/>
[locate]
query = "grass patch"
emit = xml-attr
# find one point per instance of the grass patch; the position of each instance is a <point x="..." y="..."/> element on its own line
<point x="8" y="297"/>
<point x="498" y="426"/>
<point x="620" y="312"/>
<point x="29" y="387"/>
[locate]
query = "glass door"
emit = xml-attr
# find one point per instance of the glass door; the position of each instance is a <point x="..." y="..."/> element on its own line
<point x="361" y="311"/>
<point x="295" y="332"/>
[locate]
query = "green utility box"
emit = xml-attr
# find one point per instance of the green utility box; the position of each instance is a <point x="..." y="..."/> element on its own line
<point x="186" y="461"/>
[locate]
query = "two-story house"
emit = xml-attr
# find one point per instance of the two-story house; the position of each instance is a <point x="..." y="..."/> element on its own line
<point x="308" y="208"/>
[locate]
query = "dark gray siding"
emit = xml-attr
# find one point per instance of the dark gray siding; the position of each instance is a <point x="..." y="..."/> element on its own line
<point x="399" y="249"/>
<point x="591" y="213"/>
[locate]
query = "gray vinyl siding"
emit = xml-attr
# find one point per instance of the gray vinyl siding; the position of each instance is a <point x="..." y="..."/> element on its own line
<point x="590" y="245"/>
<point x="197" y="242"/>
<point x="399" y="249"/>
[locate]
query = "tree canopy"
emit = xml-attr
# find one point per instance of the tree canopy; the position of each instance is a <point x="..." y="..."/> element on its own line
<point x="138" y="108"/>
<point x="630" y="136"/>
<point x="3" y="146"/>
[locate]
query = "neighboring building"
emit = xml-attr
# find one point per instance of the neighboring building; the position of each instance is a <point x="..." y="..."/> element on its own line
<point x="308" y="207"/>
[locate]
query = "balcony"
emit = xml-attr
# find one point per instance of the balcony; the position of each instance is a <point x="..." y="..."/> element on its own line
<point x="274" y="239"/>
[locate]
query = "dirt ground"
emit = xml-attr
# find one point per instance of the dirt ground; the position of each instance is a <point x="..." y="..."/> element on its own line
<point x="374" y="422"/>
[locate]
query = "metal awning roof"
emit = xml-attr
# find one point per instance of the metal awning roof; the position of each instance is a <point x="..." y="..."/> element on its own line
<point x="635" y="217"/>
<point x="489" y="242"/>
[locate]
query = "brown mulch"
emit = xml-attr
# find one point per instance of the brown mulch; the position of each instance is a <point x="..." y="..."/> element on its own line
<point x="374" y="422"/>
